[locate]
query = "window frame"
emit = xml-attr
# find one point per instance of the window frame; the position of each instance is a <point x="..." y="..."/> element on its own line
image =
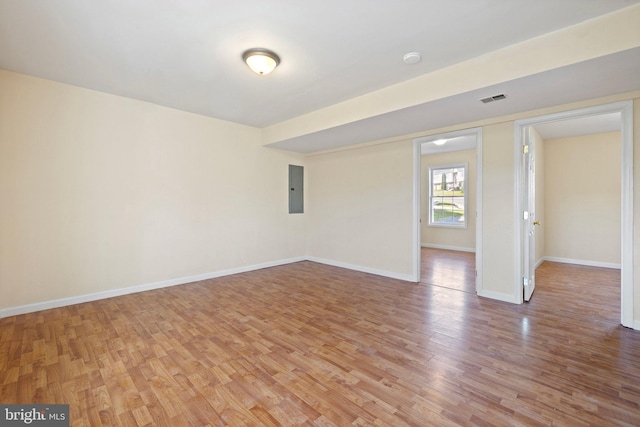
<point x="430" y="196"/>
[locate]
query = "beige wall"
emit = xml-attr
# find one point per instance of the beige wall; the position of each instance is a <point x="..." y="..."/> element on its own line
<point x="360" y="208"/>
<point x="498" y="238"/>
<point x="100" y="192"/>
<point x="582" y="178"/>
<point x="498" y="234"/>
<point x="454" y="238"/>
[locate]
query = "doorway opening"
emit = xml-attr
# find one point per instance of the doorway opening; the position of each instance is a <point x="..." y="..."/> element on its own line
<point x="528" y="222"/>
<point x="447" y="210"/>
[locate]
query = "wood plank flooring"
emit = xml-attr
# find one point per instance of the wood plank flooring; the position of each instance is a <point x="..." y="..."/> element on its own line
<point x="309" y="344"/>
<point x="449" y="269"/>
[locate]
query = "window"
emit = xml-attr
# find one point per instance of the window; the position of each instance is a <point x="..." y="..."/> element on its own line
<point x="447" y="201"/>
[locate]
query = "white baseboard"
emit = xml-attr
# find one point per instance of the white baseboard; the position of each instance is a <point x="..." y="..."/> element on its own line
<point x="448" y="248"/>
<point x="636" y="325"/>
<point x="384" y="273"/>
<point x="583" y="262"/>
<point x="498" y="296"/>
<point x="46" y="305"/>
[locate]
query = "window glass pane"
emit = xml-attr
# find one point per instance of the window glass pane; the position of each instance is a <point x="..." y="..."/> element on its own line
<point x="447" y="196"/>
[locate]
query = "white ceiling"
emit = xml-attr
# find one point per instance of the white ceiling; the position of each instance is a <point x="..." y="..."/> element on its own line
<point x="186" y="54"/>
<point x="602" y="123"/>
<point x="458" y="143"/>
<point x="595" y="78"/>
<point x="588" y="125"/>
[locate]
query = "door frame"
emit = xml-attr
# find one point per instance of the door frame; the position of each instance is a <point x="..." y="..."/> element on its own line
<point x="417" y="191"/>
<point x="528" y="158"/>
<point x="625" y="108"/>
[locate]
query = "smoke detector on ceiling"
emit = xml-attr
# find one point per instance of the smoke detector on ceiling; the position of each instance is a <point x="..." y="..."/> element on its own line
<point x="412" y="58"/>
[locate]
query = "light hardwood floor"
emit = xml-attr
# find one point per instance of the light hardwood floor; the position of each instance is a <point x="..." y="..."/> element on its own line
<point x="309" y="344"/>
<point x="448" y="269"/>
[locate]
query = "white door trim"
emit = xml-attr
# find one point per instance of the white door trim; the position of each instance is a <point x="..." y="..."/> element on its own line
<point x="417" y="188"/>
<point x="625" y="109"/>
<point x="528" y="160"/>
<point x="417" y="208"/>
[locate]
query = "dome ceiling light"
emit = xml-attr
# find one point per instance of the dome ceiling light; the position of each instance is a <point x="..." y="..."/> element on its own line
<point x="261" y="61"/>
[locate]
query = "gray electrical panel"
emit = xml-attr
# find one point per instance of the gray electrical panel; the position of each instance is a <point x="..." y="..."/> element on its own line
<point x="296" y="192"/>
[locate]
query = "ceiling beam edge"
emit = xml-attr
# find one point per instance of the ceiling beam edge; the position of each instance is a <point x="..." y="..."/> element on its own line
<point x="604" y="35"/>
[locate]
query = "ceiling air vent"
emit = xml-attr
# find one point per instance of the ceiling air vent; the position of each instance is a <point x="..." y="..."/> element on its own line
<point x="493" y="98"/>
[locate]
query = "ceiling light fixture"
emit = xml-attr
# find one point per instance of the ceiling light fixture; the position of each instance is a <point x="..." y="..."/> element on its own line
<point x="261" y="61"/>
<point x="440" y="141"/>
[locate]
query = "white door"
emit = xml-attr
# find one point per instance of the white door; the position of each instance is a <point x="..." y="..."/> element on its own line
<point x="529" y="216"/>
